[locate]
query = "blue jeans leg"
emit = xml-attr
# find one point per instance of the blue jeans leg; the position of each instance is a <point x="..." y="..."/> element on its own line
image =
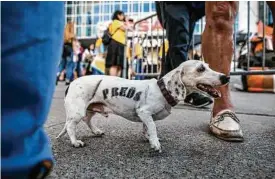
<point x="30" y="49"/>
<point x="61" y="66"/>
<point x="70" y="67"/>
<point x="180" y="19"/>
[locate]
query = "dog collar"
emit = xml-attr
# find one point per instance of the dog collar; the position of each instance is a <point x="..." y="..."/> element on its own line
<point x="169" y="98"/>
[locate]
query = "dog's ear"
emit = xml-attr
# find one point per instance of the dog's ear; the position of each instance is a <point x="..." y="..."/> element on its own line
<point x="181" y="72"/>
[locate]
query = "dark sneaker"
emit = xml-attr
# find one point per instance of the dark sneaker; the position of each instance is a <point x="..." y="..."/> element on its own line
<point x="41" y="170"/>
<point x="67" y="82"/>
<point x="198" y="100"/>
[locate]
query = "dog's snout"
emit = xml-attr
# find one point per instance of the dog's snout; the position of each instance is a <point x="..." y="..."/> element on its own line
<point x="224" y="79"/>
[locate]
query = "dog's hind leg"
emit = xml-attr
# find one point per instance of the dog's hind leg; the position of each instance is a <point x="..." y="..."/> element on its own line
<point x="75" y="113"/>
<point x="64" y="130"/>
<point x="71" y="129"/>
<point x="89" y="120"/>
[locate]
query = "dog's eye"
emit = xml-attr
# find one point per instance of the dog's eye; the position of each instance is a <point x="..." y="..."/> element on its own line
<point x="201" y="69"/>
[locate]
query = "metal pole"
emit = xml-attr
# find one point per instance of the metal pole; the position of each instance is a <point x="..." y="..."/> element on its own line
<point x="248" y="35"/>
<point x="152" y="38"/>
<point x="124" y="72"/>
<point x="201" y="36"/>
<point x="234" y="55"/>
<point x="193" y="44"/>
<point x="264" y="20"/>
<point x="157" y="50"/>
<point x="147" y="51"/>
<point x="253" y="72"/>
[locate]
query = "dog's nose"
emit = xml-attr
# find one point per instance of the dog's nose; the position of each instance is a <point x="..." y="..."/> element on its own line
<point x="224" y="79"/>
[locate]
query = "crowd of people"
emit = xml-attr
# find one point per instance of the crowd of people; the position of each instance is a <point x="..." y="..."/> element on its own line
<point x="76" y="61"/>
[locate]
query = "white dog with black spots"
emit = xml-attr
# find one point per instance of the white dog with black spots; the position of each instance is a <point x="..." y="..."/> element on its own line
<point x="140" y="101"/>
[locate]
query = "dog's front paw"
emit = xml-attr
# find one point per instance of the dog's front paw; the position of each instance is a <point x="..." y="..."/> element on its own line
<point x="78" y="143"/>
<point x="155" y="145"/>
<point x="98" y="133"/>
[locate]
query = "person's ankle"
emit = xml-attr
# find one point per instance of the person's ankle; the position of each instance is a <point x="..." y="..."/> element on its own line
<point x="220" y="107"/>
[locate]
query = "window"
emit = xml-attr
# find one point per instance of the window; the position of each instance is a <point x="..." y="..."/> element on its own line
<point x="69" y="19"/>
<point x="96" y="8"/>
<point x="96" y="19"/>
<point x="69" y="10"/>
<point x="125" y="8"/>
<point x="106" y="18"/>
<point x="146" y="7"/>
<point x="78" y="20"/>
<point x="78" y="9"/>
<point x="153" y="6"/>
<point x="89" y="19"/>
<point x="88" y="31"/>
<point x="106" y="9"/>
<point x="135" y="7"/>
<point x="117" y="7"/>
<point x="78" y="31"/>
<point x="94" y="30"/>
<point x="111" y="8"/>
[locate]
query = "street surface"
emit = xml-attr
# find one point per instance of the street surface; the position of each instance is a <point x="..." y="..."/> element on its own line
<point x="189" y="151"/>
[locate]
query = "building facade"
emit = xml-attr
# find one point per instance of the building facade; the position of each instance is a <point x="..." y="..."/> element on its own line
<point x="88" y="14"/>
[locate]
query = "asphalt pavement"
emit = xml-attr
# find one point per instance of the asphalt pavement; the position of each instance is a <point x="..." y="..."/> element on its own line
<point x="189" y="151"/>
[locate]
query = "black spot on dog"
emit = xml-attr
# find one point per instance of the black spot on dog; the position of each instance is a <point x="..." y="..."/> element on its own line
<point x="176" y="82"/>
<point x="169" y="92"/>
<point x="169" y="83"/>
<point x="177" y="91"/>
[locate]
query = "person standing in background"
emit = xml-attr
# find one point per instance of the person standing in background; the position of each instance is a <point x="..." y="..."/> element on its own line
<point x="69" y="39"/>
<point x="87" y="58"/>
<point x="77" y="57"/>
<point x="115" y="52"/>
<point x="66" y="62"/>
<point x="33" y="48"/>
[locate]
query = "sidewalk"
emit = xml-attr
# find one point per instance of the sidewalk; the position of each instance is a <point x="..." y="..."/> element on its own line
<point x="189" y="151"/>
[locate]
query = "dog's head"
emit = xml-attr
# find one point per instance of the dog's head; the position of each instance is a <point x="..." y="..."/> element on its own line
<point x="197" y="76"/>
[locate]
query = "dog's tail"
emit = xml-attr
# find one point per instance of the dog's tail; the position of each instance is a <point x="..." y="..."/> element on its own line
<point x="62" y="132"/>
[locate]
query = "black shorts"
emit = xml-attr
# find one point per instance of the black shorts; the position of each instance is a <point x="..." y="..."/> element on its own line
<point x="115" y="54"/>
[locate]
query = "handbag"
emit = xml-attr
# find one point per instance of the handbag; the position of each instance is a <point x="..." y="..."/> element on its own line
<point x="107" y="36"/>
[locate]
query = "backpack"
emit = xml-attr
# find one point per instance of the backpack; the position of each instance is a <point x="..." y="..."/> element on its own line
<point x="107" y="36"/>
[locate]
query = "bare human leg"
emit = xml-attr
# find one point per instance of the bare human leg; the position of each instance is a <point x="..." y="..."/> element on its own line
<point x="217" y="48"/>
<point x="114" y="71"/>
